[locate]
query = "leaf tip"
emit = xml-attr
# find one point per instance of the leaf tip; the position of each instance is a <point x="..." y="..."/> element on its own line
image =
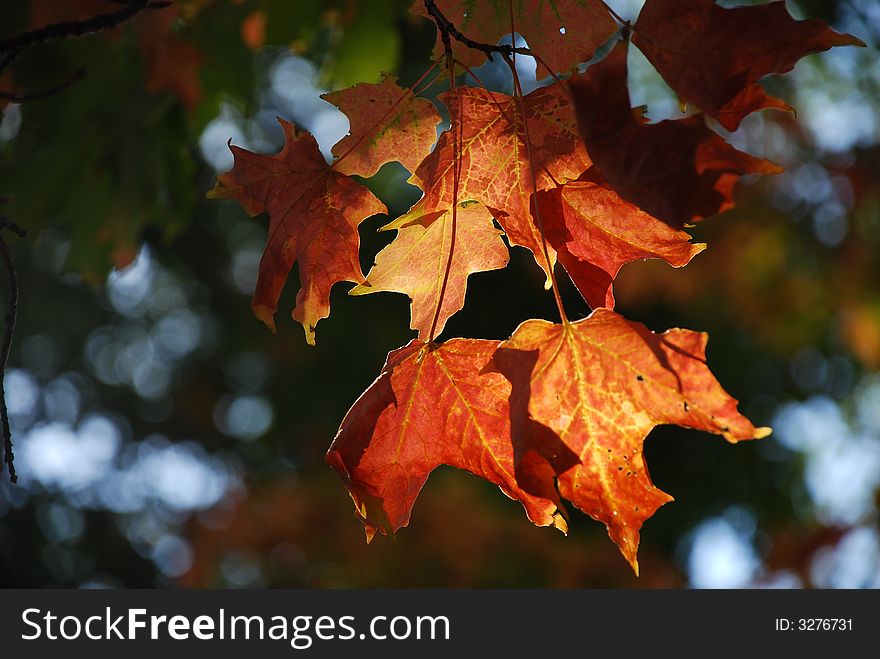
<point x="217" y="192"/>
<point x="310" y="333"/>
<point x="267" y="315"/>
<point x="560" y="523"/>
<point x="634" y="563"/>
<point x="769" y="168"/>
<point x="361" y="289"/>
<point x="850" y="40"/>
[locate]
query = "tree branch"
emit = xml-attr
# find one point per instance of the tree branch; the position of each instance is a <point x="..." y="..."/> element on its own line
<point x="69" y="29"/>
<point x="447" y="29"/>
<point x="43" y="93"/>
<point x="8" y="58"/>
<point x="155" y="4"/>
<point x="11" y="315"/>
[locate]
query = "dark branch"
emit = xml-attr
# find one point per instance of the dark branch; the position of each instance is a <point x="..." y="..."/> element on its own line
<point x="614" y="14"/>
<point x="43" y="93"/>
<point x="447" y="29"/>
<point x="70" y="29"/>
<point x="6" y="223"/>
<point x="8" y="58"/>
<point x="11" y="315"/>
<point x="155" y="4"/>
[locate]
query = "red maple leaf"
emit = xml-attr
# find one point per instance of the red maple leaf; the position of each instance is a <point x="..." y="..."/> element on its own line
<point x="713" y="56"/>
<point x="595" y="232"/>
<point x="678" y="171"/>
<point x="314" y="213"/>
<point x="432" y="406"/>
<point x="314" y="208"/>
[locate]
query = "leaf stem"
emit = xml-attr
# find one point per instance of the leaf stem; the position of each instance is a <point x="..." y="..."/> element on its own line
<point x="614" y="14"/>
<point x="518" y="92"/>
<point x="457" y="138"/>
<point x="471" y="73"/>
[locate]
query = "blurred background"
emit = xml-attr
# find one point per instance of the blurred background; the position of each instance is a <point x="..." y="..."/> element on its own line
<point x="165" y="438"/>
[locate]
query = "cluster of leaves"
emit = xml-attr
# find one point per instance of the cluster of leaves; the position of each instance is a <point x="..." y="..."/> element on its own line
<point x="574" y="174"/>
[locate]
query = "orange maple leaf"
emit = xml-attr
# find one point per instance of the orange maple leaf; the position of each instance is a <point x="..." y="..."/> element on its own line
<point x="415" y="263"/>
<point x="493" y="157"/>
<point x="601" y="384"/>
<point x="387" y="124"/>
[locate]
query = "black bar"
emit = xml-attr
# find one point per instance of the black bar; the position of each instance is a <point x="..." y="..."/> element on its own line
<point x="517" y="623"/>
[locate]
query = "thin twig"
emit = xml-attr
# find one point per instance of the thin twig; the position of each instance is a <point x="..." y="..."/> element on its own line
<point x="614" y="14"/>
<point x="156" y="4"/>
<point x="8" y="58"/>
<point x="447" y="29"/>
<point x="11" y="315"/>
<point x="471" y="73"/>
<point x="43" y="93"/>
<point x="69" y="29"/>
<point x="6" y="223"/>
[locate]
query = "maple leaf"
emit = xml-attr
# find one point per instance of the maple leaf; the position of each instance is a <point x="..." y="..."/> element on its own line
<point x="493" y="156"/>
<point x="595" y="232"/>
<point x="416" y="263"/>
<point x="563" y="34"/>
<point x="315" y="208"/>
<point x="387" y="123"/>
<point x="713" y="56"/>
<point x="677" y="170"/>
<point x="434" y="406"/>
<point x="314" y="213"/>
<point x="601" y="384"/>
